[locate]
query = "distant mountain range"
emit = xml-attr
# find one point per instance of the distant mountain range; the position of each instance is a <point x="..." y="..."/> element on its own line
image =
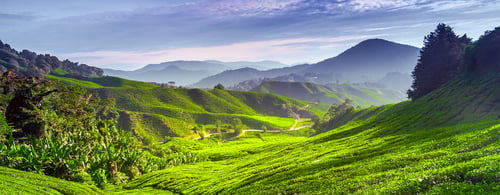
<point x="363" y="95"/>
<point x="394" y="80"/>
<point x="186" y="72"/>
<point x="233" y="77"/>
<point x="368" y="61"/>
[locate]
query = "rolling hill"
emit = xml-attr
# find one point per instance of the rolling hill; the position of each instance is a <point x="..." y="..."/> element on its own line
<point x="153" y="112"/>
<point x="363" y="95"/>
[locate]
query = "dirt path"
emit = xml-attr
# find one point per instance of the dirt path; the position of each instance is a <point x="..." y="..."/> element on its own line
<point x="293" y="128"/>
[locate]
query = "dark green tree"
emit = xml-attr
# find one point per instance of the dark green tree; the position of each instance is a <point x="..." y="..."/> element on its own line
<point x="335" y="111"/>
<point x="484" y="55"/>
<point x="441" y="59"/>
<point x="219" y="86"/>
<point x="22" y="110"/>
<point x="237" y="126"/>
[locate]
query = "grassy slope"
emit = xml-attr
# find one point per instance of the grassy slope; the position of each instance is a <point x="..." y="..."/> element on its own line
<point x="100" y="82"/>
<point x="445" y="142"/>
<point x="160" y="112"/>
<point x="13" y="181"/>
<point x="361" y="95"/>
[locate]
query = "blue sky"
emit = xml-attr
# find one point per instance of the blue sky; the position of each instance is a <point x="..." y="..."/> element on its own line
<point x="128" y="34"/>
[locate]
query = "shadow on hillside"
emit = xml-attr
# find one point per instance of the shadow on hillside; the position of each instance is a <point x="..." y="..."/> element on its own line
<point x="376" y="117"/>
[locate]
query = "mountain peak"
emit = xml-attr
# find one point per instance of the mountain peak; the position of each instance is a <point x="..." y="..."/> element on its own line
<point x="377" y="44"/>
<point x="370" y="60"/>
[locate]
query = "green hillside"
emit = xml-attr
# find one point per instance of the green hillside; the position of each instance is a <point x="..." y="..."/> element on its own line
<point x="153" y="112"/>
<point x="19" y="182"/>
<point x="97" y="82"/>
<point x="445" y="142"/>
<point x="362" y="95"/>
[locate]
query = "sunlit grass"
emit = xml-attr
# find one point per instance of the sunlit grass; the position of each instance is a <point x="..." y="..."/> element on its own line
<point x="71" y="81"/>
<point x="19" y="182"/>
<point x="279" y="122"/>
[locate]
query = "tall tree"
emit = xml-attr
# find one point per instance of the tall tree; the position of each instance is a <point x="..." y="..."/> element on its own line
<point x="441" y="59"/>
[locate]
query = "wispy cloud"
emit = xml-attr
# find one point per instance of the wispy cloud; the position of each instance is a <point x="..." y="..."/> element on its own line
<point x="364" y="5"/>
<point x="9" y="18"/>
<point x="244" y="7"/>
<point x="438" y="6"/>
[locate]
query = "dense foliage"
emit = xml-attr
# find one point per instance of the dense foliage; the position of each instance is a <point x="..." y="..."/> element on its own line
<point x="484" y="55"/>
<point x="441" y="59"/>
<point x="67" y="132"/>
<point x="336" y="116"/>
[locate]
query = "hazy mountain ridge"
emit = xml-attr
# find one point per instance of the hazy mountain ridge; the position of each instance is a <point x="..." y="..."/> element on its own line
<point x="259" y="65"/>
<point x="187" y="72"/>
<point x="394" y="80"/>
<point x="233" y="77"/>
<point x="368" y="61"/>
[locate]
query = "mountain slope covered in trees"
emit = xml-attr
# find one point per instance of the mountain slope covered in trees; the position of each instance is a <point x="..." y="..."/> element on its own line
<point x="31" y="64"/>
